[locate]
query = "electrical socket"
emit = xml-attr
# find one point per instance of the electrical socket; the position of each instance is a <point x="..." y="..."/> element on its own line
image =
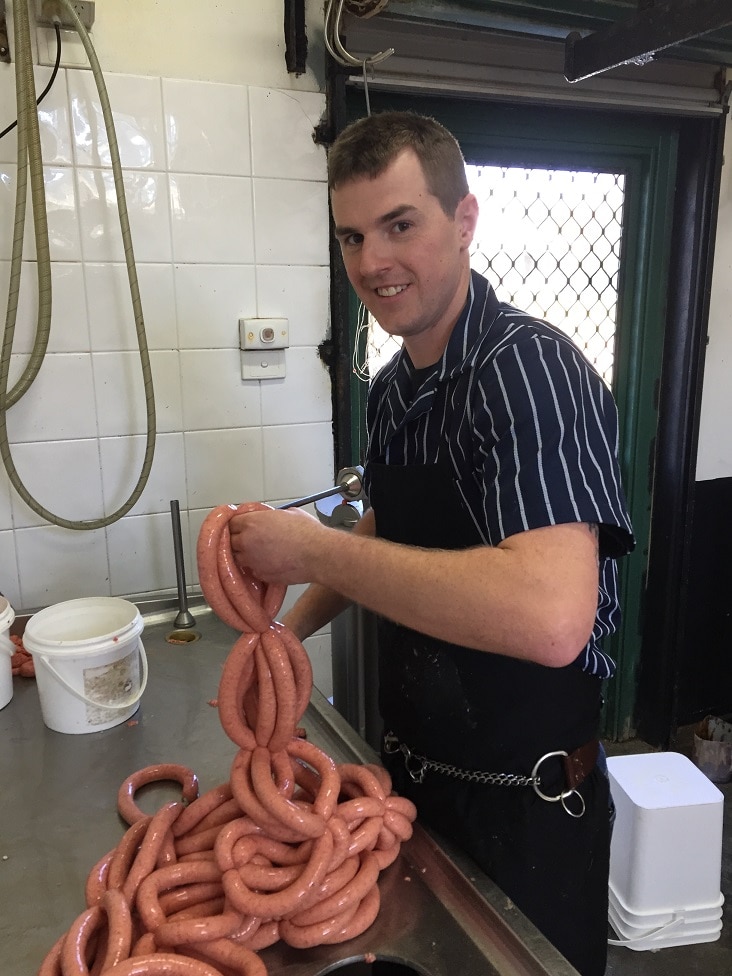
<point x="49" y="12"/>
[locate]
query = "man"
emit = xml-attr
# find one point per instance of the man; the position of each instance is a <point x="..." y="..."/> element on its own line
<point x="489" y="548"/>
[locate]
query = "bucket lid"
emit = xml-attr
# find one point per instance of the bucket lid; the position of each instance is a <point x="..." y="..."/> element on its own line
<point x="65" y="627"/>
<point x="7" y="614"/>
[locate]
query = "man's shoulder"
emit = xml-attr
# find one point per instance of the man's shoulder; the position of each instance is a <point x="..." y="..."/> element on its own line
<point x="526" y="335"/>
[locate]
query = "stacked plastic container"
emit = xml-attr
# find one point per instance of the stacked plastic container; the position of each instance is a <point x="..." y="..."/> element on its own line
<point x="666" y="852"/>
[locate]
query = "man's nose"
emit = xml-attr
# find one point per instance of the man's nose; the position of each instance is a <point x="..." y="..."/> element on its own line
<point x="374" y="256"/>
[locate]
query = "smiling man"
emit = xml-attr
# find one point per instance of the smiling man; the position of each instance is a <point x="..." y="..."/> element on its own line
<point x="489" y="548"/>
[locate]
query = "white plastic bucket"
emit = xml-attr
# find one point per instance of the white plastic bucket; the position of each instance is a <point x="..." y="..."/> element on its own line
<point x="7" y="616"/>
<point x="90" y="664"/>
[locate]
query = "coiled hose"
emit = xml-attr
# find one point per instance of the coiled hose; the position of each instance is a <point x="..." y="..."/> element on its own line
<point x="29" y="158"/>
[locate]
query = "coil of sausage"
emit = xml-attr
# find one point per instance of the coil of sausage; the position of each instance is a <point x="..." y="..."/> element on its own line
<point x="289" y="849"/>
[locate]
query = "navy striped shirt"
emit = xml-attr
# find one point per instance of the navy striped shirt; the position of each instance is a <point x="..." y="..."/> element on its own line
<point x="528" y="428"/>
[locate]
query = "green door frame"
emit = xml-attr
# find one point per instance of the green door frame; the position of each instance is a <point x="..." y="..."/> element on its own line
<point x="645" y="150"/>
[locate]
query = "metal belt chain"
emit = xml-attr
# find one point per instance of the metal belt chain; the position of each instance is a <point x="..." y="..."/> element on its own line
<point x="417" y="765"/>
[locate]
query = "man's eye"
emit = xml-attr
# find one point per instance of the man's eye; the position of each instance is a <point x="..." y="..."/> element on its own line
<point x="402" y="226"/>
<point x="353" y="240"/>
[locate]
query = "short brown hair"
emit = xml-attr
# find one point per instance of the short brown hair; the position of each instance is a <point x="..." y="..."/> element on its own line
<point x="367" y="147"/>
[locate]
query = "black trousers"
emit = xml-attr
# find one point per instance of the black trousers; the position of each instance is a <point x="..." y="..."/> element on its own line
<point x="552" y="866"/>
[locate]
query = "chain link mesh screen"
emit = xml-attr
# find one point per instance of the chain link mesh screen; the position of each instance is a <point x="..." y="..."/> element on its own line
<point x="549" y="242"/>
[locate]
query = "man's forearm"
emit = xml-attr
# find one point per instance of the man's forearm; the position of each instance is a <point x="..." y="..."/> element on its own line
<point x="317" y="606"/>
<point x="532" y="597"/>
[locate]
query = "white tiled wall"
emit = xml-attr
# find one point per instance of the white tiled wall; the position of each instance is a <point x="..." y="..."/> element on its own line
<point x="228" y="211"/>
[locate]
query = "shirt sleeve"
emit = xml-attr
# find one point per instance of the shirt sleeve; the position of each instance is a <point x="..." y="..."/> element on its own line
<point x="548" y="435"/>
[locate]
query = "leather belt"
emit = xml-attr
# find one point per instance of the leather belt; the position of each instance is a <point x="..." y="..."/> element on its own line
<point x="577" y="766"/>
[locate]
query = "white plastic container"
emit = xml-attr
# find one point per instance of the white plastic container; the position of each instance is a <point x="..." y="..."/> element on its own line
<point x="90" y="663"/>
<point x="666" y="851"/>
<point x="659" y="931"/>
<point x="7" y="616"/>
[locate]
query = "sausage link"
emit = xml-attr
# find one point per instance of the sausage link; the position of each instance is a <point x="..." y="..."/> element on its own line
<point x="266" y="700"/>
<point x="314" y="934"/>
<point x="207" y="548"/>
<point x="301" y="667"/>
<point x="365" y="915"/>
<point x="124" y="855"/>
<point x="274" y="596"/>
<point x="333" y="883"/>
<point x="285" y="689"/>
<point x="194" y="930"/>
<point x="201" y="840"/>
<point x="330" y="782"/>
<point x="128" y="809"/>
<point x="398" y="824"/>
<point x="247" y="799"/>
<point x="366" y="783"/>
<point x="237" y="668"/>
<point x="240" y="588"/>
<point x="386" y="857"/>
<point x="266" y="935"/>
<point x="277" y="904"/>
<point x="205" y="806"/>
<point x="147" y="856"/>
<point x="349" y="895"/>
<point x="212" y="906"/>
<point x="236" y="957"/>
<point x="96" y="882"/>
<point x="164" y="964"/>
<point x="193" y="894"/>
<point x="285" y="811"/>
<point x="74" y="951"/>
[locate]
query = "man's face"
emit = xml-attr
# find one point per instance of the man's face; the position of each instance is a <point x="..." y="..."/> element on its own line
<point x="406" y="259"/>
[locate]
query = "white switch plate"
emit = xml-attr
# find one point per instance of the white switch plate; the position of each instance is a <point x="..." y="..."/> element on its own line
<point x="262" y="364"/>
<point x="264" y="334"/>
<point x="73" y="54"/>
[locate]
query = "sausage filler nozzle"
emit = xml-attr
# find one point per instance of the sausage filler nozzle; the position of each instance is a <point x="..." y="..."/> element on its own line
<point x="185" y="619"/>
<point x="349" y="484"/>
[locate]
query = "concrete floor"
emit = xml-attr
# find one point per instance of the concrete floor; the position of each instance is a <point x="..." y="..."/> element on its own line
<point x="702" y="959"/>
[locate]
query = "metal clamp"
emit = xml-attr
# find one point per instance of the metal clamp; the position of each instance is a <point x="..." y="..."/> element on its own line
<point x="393" y="745"/>
<point x="560" y="797"/>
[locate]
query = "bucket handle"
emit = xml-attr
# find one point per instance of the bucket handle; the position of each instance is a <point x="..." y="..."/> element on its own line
<point x="90" y="701"/>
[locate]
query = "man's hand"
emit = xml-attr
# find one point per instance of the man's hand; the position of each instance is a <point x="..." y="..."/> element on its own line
<point x="276" y="545"/>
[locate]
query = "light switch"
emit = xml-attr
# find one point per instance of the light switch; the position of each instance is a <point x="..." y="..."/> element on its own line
<point x="263" y="334"/>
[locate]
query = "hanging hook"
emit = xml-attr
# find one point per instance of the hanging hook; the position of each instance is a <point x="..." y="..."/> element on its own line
<point x="335" y="47"/>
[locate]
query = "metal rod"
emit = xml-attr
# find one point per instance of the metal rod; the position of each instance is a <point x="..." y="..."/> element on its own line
<point x="299" y="502"/>
<point x="184" y="620"/>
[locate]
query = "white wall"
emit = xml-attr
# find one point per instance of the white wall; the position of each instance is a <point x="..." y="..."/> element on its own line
<point x="714" y="459"/>
<point x="228" y="209"/>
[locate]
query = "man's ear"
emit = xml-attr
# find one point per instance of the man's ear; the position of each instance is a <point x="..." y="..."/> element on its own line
<point x="466" y="217"/>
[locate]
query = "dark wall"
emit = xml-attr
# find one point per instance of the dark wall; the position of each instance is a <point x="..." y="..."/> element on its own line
<point x="705" y="665"/>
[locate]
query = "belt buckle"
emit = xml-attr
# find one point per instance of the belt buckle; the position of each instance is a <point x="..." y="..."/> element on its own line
<point x="562" y="797"/>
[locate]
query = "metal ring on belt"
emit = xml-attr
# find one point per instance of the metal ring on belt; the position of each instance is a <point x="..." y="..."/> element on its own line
<point x="577" y="765"/>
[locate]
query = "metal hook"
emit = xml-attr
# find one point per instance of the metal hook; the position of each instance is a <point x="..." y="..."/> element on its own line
<point x="336" y="49"/>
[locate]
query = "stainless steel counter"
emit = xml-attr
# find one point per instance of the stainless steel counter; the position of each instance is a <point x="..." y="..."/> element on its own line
<point x="58" y="816"/>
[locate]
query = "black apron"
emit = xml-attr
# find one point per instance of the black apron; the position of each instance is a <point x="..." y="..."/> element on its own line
<point x="487" y="712"/>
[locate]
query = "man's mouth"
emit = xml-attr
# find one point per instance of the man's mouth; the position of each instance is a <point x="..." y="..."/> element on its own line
<point x="390" y="291"/>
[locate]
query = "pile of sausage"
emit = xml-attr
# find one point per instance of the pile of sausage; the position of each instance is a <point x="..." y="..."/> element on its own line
<point x="21" y="661"/>
<point x="290" y="848"/>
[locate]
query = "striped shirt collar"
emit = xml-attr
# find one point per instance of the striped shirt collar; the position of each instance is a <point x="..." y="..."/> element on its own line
<point x="475" y="320"/>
